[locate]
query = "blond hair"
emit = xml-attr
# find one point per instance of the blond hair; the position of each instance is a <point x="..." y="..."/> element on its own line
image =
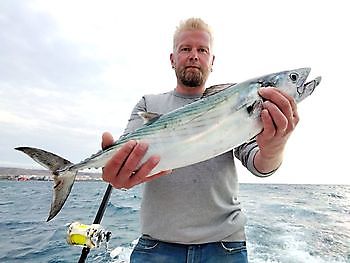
<point x="192" y="24"/>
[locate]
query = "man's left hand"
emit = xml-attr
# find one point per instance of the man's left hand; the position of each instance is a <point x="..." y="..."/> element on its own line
<point x="279" y="117"/>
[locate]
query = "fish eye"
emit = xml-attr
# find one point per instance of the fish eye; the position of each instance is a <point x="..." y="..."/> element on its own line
<point x="294" y="76"/>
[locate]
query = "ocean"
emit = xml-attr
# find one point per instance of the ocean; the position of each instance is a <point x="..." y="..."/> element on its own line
<point x="286" y="223"/>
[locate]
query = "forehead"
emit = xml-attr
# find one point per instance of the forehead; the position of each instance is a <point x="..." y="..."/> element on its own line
<point x="193" y="38"/>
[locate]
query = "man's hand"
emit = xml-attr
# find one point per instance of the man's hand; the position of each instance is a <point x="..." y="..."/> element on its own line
<point x="120" y="171"/>
<point x="279" y="118"/>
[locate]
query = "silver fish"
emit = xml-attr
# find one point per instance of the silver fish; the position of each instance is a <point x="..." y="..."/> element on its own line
<point x="224" y="118"/>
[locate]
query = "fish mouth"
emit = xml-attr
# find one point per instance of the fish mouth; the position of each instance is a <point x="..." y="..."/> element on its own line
<point x="302" y="74"/>
<point x="308" y="87"/>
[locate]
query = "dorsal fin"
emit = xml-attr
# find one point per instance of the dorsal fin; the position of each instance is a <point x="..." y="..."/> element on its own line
<point x="149" y="117"/>
<point x="215" y="89"/>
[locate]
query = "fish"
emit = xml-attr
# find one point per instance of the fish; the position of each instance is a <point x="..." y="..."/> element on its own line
<point x="225" y="117"/>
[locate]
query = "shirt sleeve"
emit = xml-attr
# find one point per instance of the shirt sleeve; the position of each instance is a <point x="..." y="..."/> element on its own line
<point x="135" y="121"/>
<point x="246" y="153"/>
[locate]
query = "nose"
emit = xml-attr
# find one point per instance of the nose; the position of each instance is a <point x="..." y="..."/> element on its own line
<point x="193" y="55"/>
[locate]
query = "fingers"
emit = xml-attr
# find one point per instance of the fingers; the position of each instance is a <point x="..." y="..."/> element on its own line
<point x="294" y="108"/>
<point x="141" y="175"/>
<point x="282" y="109"/>
<point x="113" y="166"/>
<point x="269" y="129"/>
<point x="278" y="119"/>
<point x="293" y="117"/>
<point x="123" y="170"/>
<point x="131" y="163"/>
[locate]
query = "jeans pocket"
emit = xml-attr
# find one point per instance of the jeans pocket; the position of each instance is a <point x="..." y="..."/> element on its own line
<point x="146" y="244"/>
<point x="233" y="247"/>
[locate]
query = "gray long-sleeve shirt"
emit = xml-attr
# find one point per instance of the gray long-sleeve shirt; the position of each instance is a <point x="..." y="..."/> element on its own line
<point x="195" y="204"/>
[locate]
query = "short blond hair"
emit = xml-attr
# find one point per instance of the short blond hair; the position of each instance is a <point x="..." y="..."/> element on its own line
<point x="192" y="24"/>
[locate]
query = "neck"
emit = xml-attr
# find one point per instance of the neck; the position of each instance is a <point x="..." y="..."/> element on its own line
<point x="190" y="90"/>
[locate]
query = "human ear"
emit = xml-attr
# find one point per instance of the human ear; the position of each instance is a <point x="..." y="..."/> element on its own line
<point x="172" y="60"/>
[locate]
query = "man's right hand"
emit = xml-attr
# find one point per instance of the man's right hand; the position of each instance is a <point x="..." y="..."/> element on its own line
<point x="121" y="170"/>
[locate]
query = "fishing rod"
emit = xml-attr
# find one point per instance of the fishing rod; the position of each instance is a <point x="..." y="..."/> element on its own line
<point x="98" y="218"/>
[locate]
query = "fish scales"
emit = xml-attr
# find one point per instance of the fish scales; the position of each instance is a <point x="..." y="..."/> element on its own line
<point x="226" y="117"/>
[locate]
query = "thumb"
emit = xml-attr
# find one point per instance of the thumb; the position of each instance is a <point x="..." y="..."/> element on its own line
<point x="107" y="140"/>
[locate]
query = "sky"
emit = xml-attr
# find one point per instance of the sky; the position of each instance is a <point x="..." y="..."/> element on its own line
<point x="70" y="70"/>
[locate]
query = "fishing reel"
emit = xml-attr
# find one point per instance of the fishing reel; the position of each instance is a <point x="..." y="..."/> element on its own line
<point x="91" y="236"/>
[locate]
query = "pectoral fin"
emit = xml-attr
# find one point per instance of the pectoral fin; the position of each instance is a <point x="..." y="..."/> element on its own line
<point x="149" y="117"/>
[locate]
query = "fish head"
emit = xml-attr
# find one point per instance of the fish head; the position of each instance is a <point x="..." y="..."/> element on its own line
<point x="292" y="82"/>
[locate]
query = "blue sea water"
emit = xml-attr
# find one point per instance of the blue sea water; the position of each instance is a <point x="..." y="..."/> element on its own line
<point x="286" y="223"/>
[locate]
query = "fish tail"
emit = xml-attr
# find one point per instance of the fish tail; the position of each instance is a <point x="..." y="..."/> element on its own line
<point x="63" y="176"/>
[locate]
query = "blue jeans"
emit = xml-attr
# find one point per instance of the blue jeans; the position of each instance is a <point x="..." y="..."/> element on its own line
<point x="154" y="251"/>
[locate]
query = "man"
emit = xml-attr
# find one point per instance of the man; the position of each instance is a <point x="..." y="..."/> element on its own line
<point x="192" y="214"/>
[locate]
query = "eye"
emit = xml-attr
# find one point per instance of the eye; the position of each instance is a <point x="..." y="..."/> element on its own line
<point x="203" y="50"/>
<point x="294" y="76"/>
<point x="185" y="49"/>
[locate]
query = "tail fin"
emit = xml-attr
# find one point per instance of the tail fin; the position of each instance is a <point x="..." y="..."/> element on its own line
<point x="63" y="176"/>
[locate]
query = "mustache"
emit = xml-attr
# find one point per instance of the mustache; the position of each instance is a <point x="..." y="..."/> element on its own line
<point x="193" y="66"/>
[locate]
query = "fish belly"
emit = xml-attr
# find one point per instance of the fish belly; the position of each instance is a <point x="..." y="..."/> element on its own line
<point x="201" y="140"/>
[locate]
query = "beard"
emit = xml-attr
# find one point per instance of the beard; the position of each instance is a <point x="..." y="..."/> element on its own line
<point x="191" y="77"/>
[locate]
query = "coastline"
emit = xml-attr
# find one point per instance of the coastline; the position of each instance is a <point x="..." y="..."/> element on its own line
<point x="23" y="174"/>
